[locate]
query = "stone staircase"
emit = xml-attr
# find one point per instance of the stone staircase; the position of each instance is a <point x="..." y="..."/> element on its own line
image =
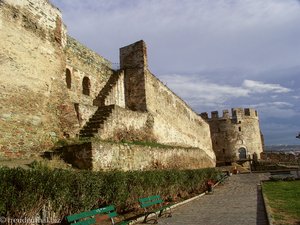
<point x="100" y="99"/>
<point x="96" y="122"/>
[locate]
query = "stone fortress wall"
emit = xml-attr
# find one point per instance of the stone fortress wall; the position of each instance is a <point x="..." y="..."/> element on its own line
<point x="174" y="122"/>
<point x="85" y="75"/>
<point x="32" y="62"/>
<point x="53" y="88"/>
<point x="235" y="136"/>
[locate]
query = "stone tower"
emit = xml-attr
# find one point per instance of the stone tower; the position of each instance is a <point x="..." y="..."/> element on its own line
<point x="235" y="136"/>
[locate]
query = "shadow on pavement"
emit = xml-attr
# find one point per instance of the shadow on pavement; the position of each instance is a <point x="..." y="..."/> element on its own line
<point x="261" y="215"/>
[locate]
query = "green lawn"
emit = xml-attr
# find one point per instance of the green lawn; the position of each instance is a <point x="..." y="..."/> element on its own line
<point x="283" y="199"/>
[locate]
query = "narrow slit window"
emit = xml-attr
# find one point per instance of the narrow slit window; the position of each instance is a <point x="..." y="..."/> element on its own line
<point x="86" y="86"/>
<point x="68" y="78"/>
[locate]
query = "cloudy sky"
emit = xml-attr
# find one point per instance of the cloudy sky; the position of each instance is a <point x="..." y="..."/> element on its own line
<point x="215" y="54"/>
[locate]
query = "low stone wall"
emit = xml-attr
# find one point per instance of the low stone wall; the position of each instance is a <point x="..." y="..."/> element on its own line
<point x="127" y="124"/>
<point x="280" y="157"/>
<point x="80" y="155"/>
<point x="100" y="155"/>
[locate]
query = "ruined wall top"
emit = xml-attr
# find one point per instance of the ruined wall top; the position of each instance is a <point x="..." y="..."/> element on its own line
<point x="134" y="56"/>
<point x="41" y="14"/>
<point x="80" y="54"/>
<point x="235" y="113"/>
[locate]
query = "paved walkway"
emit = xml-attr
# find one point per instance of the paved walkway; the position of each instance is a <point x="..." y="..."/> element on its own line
<point x="237" y="202"/>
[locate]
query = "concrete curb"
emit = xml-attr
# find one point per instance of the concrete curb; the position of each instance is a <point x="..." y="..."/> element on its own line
<point x="141" y="219"/>
<point x="267" y="207"/>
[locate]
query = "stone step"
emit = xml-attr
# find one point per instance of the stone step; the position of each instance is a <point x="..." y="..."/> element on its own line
<point x="86" y="135"/>
<point x="90" y="129"/>
<point x="100" y="116"/>
<point x="97" y="120"/>
<point x="93" y="126"/>
<point x="103" y="111"/>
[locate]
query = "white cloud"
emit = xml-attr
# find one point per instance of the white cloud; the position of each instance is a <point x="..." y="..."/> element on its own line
<point x="296" y="97"/>
<point x="281" y="110"/>
<point x="283" y="105"/>
<point x="260" y="87"/>
<point x="199" y="91"/>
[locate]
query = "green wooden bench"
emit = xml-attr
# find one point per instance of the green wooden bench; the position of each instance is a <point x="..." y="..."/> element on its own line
<point x="221" y="178"/>
<point x="89" y="217"/>
<point x="154" y="205"/>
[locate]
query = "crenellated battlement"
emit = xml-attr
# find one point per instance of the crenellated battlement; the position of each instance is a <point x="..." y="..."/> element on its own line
<point x="235" y="113"/>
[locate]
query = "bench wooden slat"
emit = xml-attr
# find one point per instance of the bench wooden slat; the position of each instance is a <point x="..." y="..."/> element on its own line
<point x="151" y="203"/>
<point x="113" y="214"/>
<point x="81" y="215"/>
<point x="149" y="198"/>
<point x="91" y="213"/>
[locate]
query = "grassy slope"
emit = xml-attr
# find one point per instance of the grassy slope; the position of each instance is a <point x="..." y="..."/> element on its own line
<point x="284" y="200"/>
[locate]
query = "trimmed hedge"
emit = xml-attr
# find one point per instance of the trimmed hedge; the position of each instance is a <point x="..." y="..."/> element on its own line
<point x="24" y="193"/>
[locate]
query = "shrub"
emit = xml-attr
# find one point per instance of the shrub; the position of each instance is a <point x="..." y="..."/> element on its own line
<point x="24" y="193"/>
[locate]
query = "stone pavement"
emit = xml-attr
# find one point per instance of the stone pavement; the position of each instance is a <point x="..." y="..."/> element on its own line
<point x="237" y="202"/>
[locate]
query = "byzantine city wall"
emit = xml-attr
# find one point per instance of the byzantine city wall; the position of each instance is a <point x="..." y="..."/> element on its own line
<point x="31" y="64"/>
<point x="175" y="123"/>
<point x="53" y="88"/>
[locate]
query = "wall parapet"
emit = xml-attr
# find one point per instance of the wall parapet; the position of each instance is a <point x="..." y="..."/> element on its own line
<point x="235" y="112"/>
<point x="86" y="55"/>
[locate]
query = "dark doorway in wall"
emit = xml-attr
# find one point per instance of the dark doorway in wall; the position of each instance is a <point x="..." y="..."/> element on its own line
<point x="68" y="78"/>
<point x="242" y="153"/>
<point x="86" y="85"/>
<point x="76" y="107"/>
